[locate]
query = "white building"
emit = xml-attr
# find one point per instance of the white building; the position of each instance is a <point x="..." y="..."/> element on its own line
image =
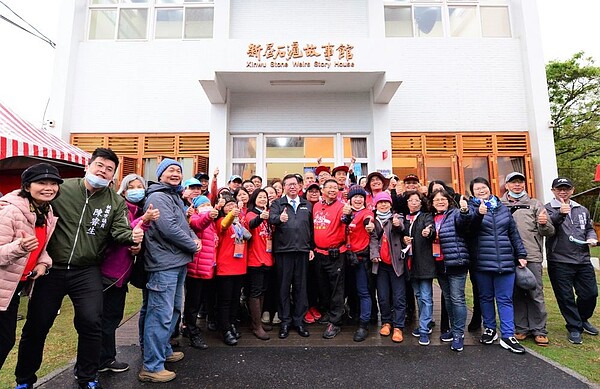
<point x="447" y="89"/>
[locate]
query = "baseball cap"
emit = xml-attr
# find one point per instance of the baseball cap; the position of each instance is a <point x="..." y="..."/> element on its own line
<point x="411" y="177"/>
<point x="322" y="168"/>
<point x="235" y="177"/>
<point x="202" y="176"/>
<point x="191" y="182"/>
<point x="513" y="175"/>
<point x="341" y="168"/>
<point x="561" y="181"/>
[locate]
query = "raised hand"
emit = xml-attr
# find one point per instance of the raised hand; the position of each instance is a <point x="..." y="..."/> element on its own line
<point x="426" y="231"/>
<point x="138" y="233"/>
<point x="235" y="212"/>
<point x="463" y="204"/>
<point x="396" y="220"/>
<point x="543" y="217"/>
<point x="220" y="204"/>
<point x="407" y="240"/>
<point x="483" y="208"/>
<point x="151" y="214"/>
<point x="240" y="204"/>
<point x="264" y="214"/>
<point x="214" y="213"/>
<point x="284" y="216"/>
<point x="216" y="172"/>
<point x="28" y="243"/>
<point x="565" y="208"/>
<point x="347" y="210"/>
<point x="190" y="211"/>
<point x="370" y="226"/>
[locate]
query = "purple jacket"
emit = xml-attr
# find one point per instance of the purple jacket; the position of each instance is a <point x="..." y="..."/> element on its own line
<point x="118" y="261"/>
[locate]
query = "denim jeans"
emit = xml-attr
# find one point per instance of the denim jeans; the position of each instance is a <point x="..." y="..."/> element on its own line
<point x="361" y="274"/>
<point x="424" y="293"/>
<point x="165" y="296"/>
<point x="389" y="283"/>
<point x="453" y="288"/>
<point x="499" y="287"/>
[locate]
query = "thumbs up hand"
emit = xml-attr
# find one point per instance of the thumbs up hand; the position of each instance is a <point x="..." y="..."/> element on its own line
<point x="426" y="231"/>
<point x="565" y="208"/>
<point x="284" y="216"/>
<point x="151" y="214"/>
<point x="542" y="218"/>
<point x="264" y="214"/>
<point x="464" y="206"/>
<point x="396" y="220"/>
<point x="28" y="243"/>
<point x="483" y="208"/>
<point x="370" y="226"/>
<point x="347" y="210"/>
<point x="138" y="233"/>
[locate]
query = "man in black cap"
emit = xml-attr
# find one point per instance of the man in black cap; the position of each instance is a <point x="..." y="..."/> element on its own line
<point x="533" y="225"/>
<point x="203" y="178"/>
<point x="569" y="264"/>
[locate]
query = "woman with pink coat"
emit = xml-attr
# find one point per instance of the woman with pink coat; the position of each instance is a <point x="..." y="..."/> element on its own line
<point x="26" y="224"/>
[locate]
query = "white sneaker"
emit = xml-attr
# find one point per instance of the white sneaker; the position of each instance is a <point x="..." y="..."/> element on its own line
<point x="266" y="318"/>
<point x="276" y="319"/>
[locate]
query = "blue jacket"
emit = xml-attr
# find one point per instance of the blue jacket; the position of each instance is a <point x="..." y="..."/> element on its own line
<point x="452" y="233"/>
<point x="495" y="242"/>
<point x="169" y="242"/>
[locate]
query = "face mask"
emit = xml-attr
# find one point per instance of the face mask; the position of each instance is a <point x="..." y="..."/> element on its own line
<point x="515" y="195"/>
<point x="135" y="195"/>
<point x="95" y="181"/>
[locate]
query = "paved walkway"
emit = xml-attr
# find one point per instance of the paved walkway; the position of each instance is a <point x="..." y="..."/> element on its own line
<point x="316" y="362"/>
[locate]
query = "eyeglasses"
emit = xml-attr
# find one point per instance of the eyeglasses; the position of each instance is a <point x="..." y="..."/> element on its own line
<point x="442" y="200"/>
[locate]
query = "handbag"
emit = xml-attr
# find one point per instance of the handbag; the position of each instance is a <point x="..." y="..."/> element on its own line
<point x="524" y="278"/>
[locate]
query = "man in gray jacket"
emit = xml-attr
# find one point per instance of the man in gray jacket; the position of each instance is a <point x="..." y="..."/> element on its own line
<point x="533" y="225"/>
<point x="569" y="264"/>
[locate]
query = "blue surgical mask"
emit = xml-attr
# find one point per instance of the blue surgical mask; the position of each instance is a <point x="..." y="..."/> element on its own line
<point x="135" y="195"/>
<point x="95" y="181"/>
<point x="515" y="195"/>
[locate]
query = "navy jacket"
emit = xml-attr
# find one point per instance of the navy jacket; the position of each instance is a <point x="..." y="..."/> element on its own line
<point x="452" y="234"/>
<point x="495" y="242"/>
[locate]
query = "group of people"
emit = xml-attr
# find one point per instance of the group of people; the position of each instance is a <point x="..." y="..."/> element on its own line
<point x="318" y="246"/>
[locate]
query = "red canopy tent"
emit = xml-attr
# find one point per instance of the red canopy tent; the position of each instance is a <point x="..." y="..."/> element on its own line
<point x="22" y="145"/>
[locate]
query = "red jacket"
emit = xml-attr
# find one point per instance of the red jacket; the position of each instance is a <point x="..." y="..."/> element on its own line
<point x="358" y="237"/>
<point x="205" y="260"/>
<point x="330" y="232"/>
<point x="227" y="264"/>
<point x="257" y="246"/>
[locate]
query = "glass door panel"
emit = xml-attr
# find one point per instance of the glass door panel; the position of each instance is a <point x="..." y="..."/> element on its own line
<point x="474" y="167"/>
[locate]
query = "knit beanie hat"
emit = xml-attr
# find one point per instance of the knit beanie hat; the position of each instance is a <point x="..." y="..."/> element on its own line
<point x="383" y="196"/>
<point x="198" y="201"/>
<point x="164" y="164"/>
<point x="356" y="190"/>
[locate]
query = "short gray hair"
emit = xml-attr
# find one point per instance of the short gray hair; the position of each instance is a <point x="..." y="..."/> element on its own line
<point x="127" y="179"/>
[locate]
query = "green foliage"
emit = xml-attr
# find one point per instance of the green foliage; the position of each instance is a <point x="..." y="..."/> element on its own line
<point x="574" y="89"/>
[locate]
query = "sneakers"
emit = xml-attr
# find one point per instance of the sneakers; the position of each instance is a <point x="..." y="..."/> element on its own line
<point x="266" y="317"/>
<point x="575" y="337"/>
<point x="521" y="337"/>
<point x="424" y="340"/>
<point x="91" y="385"/>
<point x="416" y="332"/>
<point x="331" y="331"/>
<point x="588" y="328"/>
<point x="175" y="357"/>
<point x="457" y="343"/>
<point x="361" y="333"/>
<point x="159" y="376"/>
<point x="386" y="329"/>
<point x="512" y="344"/>
<point x="276" y="319"/>
<point x="489" y="336"/>
<point x="541" y="340"/>
<point x="114" y="366"/>
<point x="397" y="337"/>
<point x="309" y="318"/>
<point x="446" y="337"/>
<point x="197" y="341"/>
<point x="24" y="386"/>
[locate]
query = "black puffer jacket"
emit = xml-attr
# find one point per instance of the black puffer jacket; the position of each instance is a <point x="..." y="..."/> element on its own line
<point x="297" y="233"/>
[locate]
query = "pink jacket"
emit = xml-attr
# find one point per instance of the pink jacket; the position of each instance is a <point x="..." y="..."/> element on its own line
<point x="203" y="265"/>
<point x="16" y="219"/>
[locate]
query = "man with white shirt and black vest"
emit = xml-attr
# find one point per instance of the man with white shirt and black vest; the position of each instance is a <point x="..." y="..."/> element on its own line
<point x="569" y="264"/>
<point x="292" y="247"/>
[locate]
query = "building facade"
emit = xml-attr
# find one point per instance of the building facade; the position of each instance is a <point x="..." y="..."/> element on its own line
<point x="447" y="89"/>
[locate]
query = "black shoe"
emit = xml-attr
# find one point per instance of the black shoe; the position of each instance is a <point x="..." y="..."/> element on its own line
<point x="90" y="385"/>
<point x="588" y="328"/>
<point x="325" y="319"/>
<point x="284" y="331"/>
<point x="114" y="366"/>
<point x="211" y="325"/>
<point x="229" y="338"/>
<point x="235" y="331"/>
<point x="361" y="333"/>
<point x="488" y="336"/>
<point x="512" y="344"/>
<point x="267" y="327"/>
<point x="575" y="337"/>
<point x="197" y="341"/>
<point x="302" y="331"/>
<point x="331" y="331"/>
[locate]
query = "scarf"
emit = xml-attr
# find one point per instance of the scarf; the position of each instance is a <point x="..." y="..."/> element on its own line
<point x="41" y="212"/>
<point x="383" y="216"/>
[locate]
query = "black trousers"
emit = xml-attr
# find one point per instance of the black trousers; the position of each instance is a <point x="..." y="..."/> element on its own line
<point x="194" y="293"/>
<point x="112" y="314"/>
<point x="229" y="289"/>
<point x="8" y="325"/>
<point x="291" y="273"/>
<point x="259" y="280"/>
<point x="84" y="288"/>
<point x="566" y="278"/>
<point x="331" y="274"/>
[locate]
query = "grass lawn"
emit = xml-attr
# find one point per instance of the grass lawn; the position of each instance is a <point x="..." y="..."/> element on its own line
<point x="61" y="344"/>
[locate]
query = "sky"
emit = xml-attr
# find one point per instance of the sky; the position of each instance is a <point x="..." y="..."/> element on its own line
<point x="26" y="62"/>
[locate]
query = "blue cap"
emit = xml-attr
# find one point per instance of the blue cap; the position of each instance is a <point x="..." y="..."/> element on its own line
<point x="164" y="164"/>
<point x="191" y="182"/>
<point x="235" y="177"/>
<point x="198" y="201"/>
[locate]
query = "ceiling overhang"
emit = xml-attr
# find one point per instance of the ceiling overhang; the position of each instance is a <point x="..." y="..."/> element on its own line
<point x="383" y="90"/>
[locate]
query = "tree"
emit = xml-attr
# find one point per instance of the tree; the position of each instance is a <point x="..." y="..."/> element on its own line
<point x="574" y="89"/>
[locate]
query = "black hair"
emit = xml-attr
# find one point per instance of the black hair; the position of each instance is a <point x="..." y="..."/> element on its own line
<point x="287" y="177"/>
<point x="252" y="201"/>
<point x="410" y="193"/>
<point x="238" y="190"/>
<point x="105" y="153"/>
<point x="447" y="195"/>
<point x="256" y="176"/>
<point x="478" y="180"/>
<point x="330" y="180"/>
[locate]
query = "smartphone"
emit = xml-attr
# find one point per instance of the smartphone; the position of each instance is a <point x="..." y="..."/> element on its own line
<point x="31" y="274"/>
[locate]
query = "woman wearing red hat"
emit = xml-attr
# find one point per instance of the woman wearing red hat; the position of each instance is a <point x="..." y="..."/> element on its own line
<point x="27" y="222"/>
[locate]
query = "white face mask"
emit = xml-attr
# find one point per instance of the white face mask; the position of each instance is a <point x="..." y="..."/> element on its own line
<point x="95" y="181"/>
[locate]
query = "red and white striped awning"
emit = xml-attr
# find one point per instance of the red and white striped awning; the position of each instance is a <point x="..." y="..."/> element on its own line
<point x="19" y="138"/>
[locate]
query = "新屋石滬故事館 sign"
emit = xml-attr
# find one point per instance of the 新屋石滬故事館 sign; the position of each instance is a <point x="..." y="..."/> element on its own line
<point x="294" y="55"/>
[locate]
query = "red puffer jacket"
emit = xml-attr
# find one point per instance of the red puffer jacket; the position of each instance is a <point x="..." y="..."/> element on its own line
<point x="203" y="265"/>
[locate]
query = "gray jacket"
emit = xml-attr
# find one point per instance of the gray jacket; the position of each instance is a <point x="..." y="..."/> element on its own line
<point x="169" y="241"/>
<point x="578" y="225"/>
<point x="525" y="211"/>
